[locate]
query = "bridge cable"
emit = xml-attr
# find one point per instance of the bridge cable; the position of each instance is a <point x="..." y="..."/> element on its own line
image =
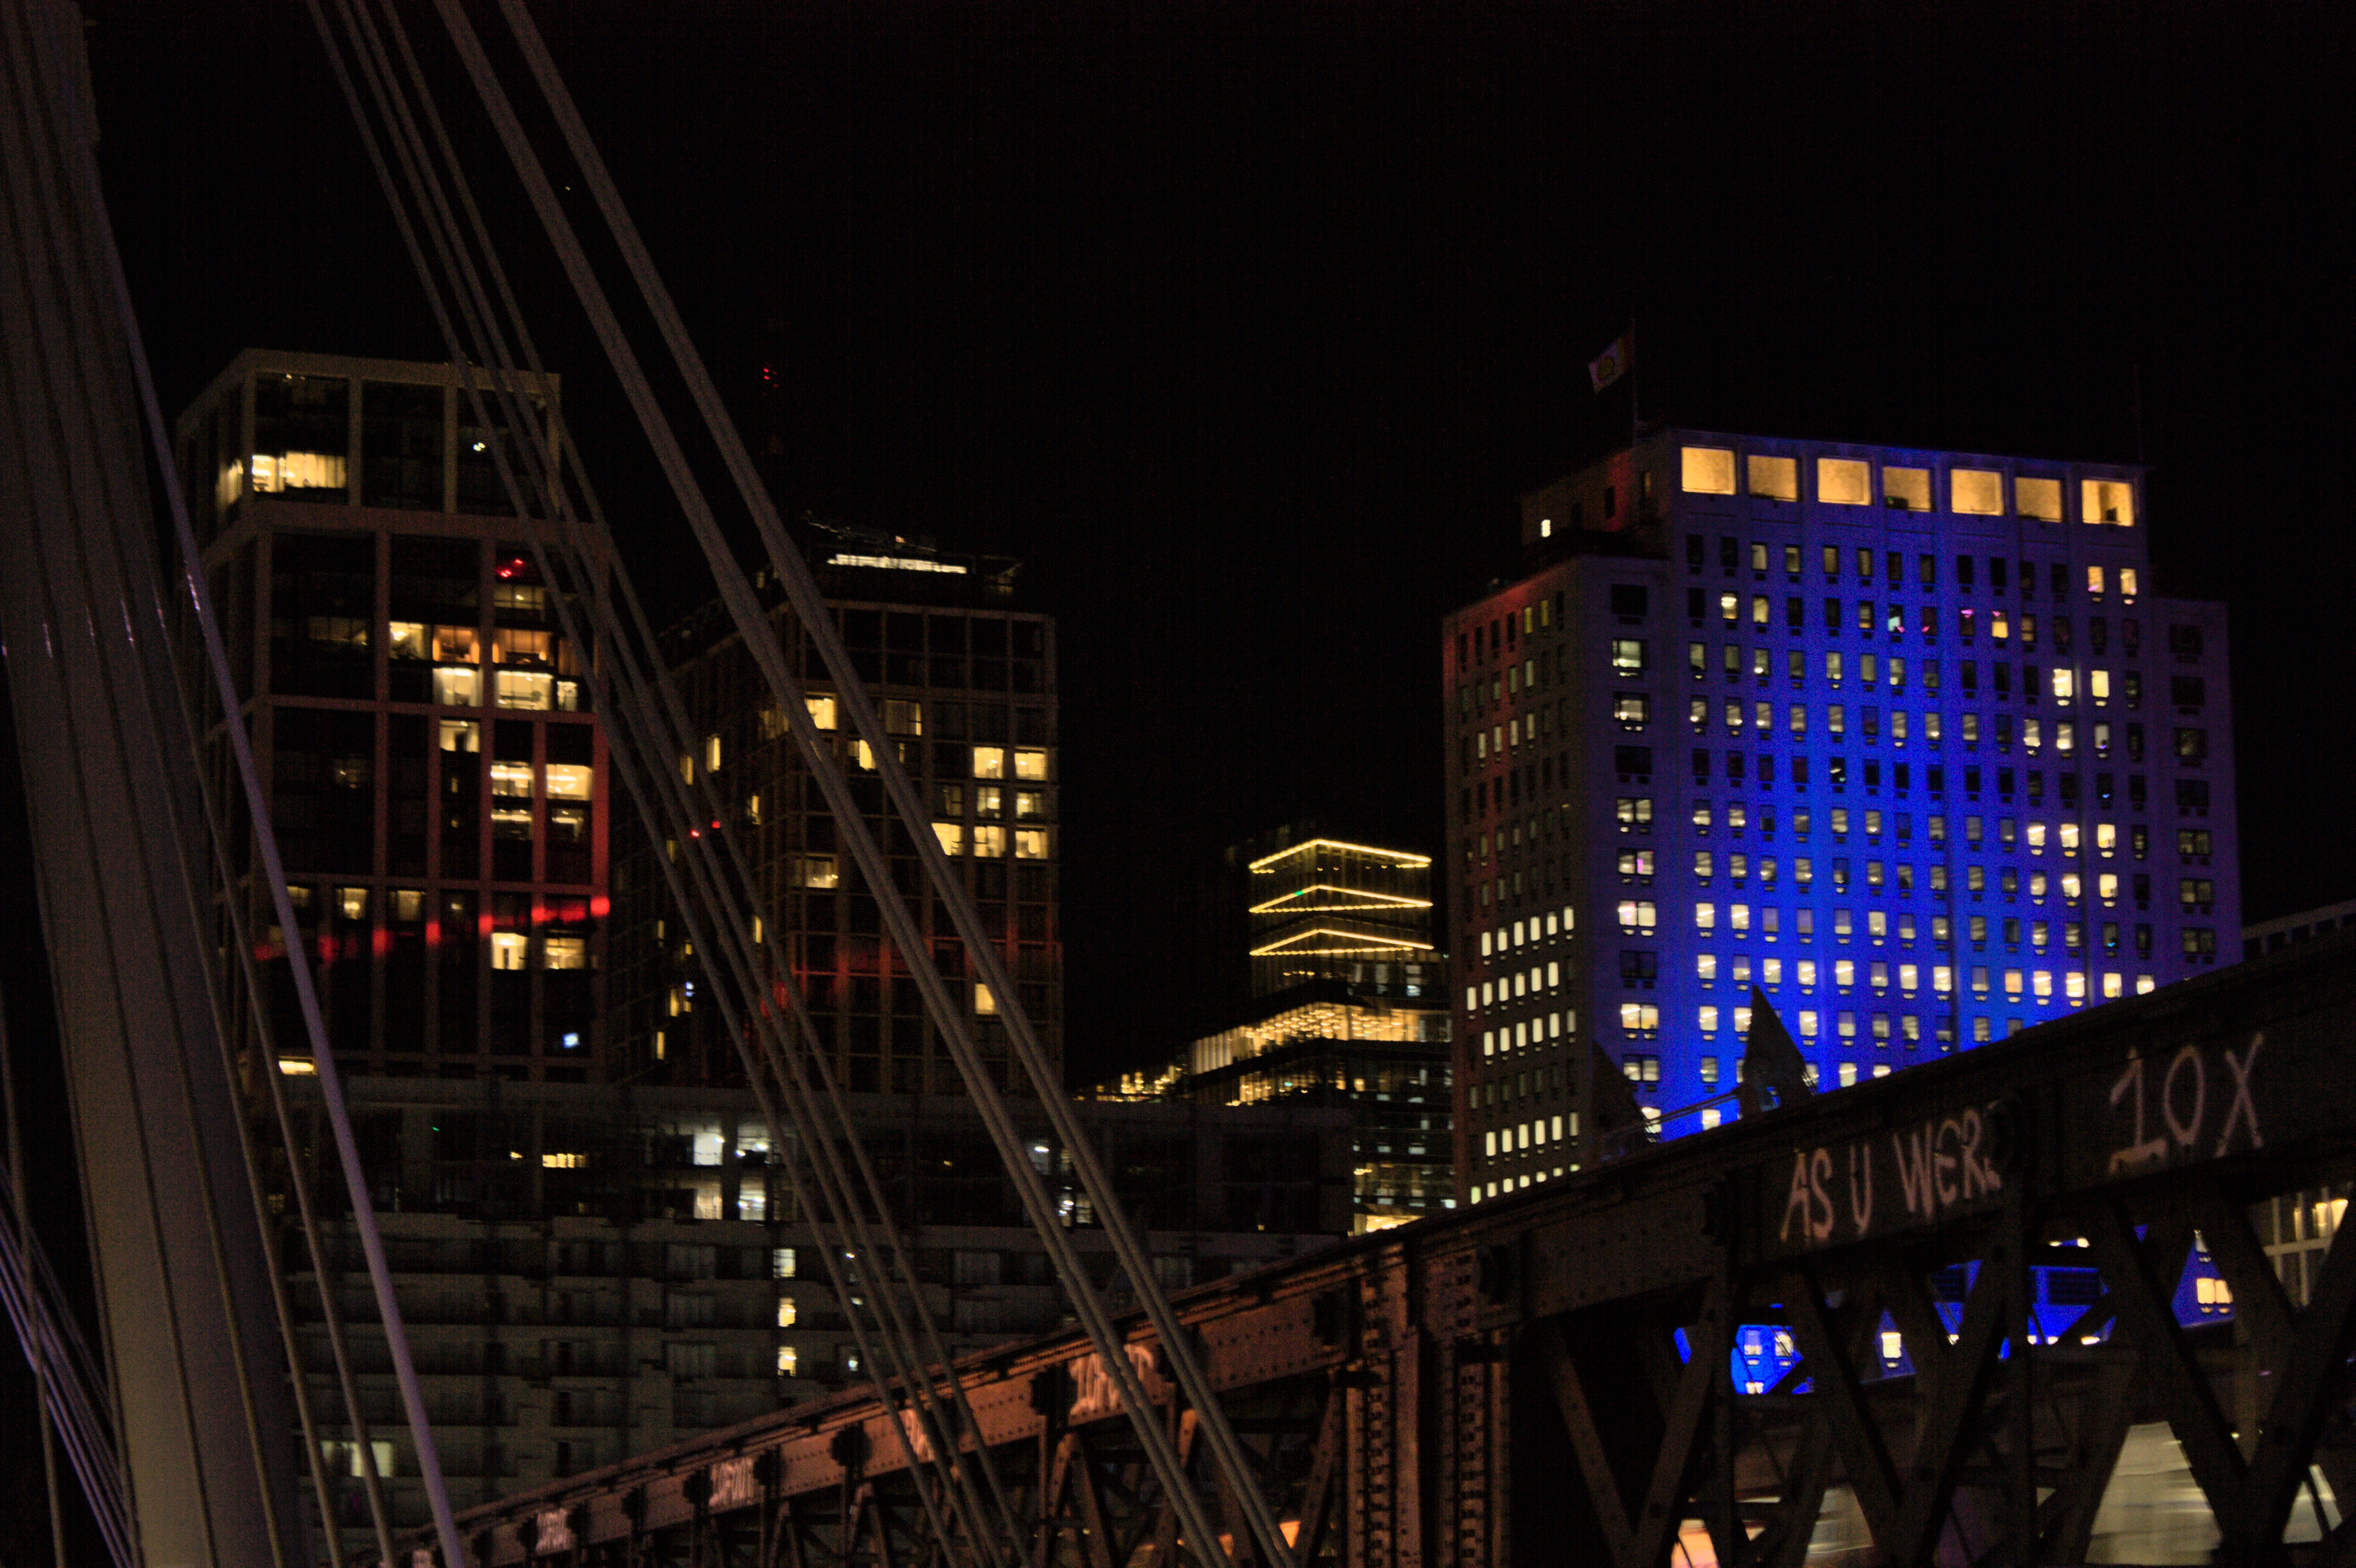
<point x="794" y="574"/>
<point x="117" y="285"/>
<point x="760" y="637"/>
<point x="266" y="846"/>
<point x="129" y="692"/>
<point x="477" y="308"/>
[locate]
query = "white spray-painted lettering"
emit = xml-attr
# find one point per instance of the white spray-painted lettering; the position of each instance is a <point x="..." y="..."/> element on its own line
<point x="2184" y="1106"/>
<point x="1093" y="1392"/>
<point x="732" y="1482"/>
<point x="1860" y="1187"/>
<point x="1938" y="1164"/>
<point x="2242" y="1109"/>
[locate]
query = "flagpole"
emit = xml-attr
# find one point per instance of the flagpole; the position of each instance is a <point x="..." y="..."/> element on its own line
<point x="1635" y="393"/>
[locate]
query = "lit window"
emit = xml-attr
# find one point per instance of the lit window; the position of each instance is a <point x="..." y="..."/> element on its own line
<point x="822" y="711"/>
<point x="952" y="836"/>
<point x="1708" y="1020"/>
<point x="1977" y="492"/>
<point x="1709" y="471"/>
<point x="990" y="762"/>
<point x="2109" y="501"/>
<point x="1627" y="656"/>
<point x="2038" y="499"/>
<point x="902" y="717"/>
<point x="566" y="953"/>
<point x="984" y="1003"/>
<point x="2065" y="684"/>
<point x="1774" y="478"/>
<point x="816" y="871"/>
<point x="1705" y="917"/>
<point x="532" y="690"/>
<point x="710" y="752"/>
<point x="457" y="685"/>
<point x="1844" y="482"/>
<point x="788" y="1359"/>
<point x="2127" y="582"/>
<point x="509" y="949"/>
<point x="1029" y="803"/>
<point x="1030" y="843"/>
<point x="989" y="840"/>
<point x="1633" y="709"/>
<point x="1906" y="489"/>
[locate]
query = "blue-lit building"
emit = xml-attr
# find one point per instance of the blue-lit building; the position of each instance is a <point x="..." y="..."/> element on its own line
<point x="1905" y="739"/>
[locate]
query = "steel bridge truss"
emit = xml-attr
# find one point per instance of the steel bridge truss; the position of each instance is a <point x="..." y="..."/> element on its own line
<point x="1546" y="1379"/>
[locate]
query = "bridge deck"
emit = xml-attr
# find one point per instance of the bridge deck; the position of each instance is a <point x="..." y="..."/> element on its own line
<point x="1541" y="1378"/>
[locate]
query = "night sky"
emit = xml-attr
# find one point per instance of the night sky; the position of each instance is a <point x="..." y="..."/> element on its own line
<point x="1245" y="326"/>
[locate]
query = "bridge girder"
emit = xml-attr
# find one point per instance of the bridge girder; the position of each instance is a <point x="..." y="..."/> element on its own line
<point x="1544" y="1380"/>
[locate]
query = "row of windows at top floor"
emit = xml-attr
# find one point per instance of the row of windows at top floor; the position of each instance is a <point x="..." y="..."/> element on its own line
<point x="1851" y="482"/>
<point x="1631" y="661"/>
<point x="1631" y="604"/>
<point x="1859" y="562"/>
<point x="332" y="440"/>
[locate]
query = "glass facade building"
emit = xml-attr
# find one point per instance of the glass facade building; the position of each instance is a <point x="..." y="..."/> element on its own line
<point x="1347" y="1008"/>
<point x="964" y="679"/>
<point x="1905" y="739"/>
<point x="422" y="727"/>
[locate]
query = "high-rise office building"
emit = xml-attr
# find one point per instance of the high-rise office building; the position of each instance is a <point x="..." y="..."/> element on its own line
<point x="963" y="676"/>
<point x="422" y="727"/>
<point x="1904" y="739"/>
<point x="1347" y="1008"/>
<point x="593" y="1237"/>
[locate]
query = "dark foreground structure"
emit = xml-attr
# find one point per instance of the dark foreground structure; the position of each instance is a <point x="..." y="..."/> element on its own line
<point x="1974" y="1268"/>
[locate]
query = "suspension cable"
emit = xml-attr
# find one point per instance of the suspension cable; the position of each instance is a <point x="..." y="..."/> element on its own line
<point x="477" y="308"/>
<point x="803" y="593"/>
<point x="267" y="847"/>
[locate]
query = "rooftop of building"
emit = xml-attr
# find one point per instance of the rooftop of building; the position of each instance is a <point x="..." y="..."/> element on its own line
<point x="1622" y="491"/>
<point x="359" y="367"/>
<point x="857" y="565"/>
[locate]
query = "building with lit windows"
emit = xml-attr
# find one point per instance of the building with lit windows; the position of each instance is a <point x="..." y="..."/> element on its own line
<point x="1348" y="1008"/>
<point x="597" y="1247"/>
<point x="963" y="675"/>
<point x="423" y="729"/>
<point x="1905" y="739"/>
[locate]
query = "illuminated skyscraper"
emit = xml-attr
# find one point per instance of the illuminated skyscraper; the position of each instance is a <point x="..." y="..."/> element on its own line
<point x="1903" y="739"/>
<point x="963" y="674"/>
<point x="1348" y="1008"/>
<point x="1324" y="909"/>
<point x="421" y="724"/>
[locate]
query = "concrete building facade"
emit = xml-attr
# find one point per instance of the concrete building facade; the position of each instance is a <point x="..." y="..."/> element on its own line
<point x="1905" y="739"/>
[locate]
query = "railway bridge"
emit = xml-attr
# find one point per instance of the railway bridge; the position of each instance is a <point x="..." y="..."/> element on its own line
<point x="1914" y="1322"/>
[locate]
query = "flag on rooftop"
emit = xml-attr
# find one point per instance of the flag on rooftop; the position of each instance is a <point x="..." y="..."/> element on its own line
<point x="1612" y="363"/>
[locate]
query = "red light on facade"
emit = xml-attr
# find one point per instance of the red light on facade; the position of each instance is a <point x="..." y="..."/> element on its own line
<point x="600" y="906"/>
<point x="483" y="924"/>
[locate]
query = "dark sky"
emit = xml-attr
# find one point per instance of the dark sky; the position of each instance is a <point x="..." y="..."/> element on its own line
<point x="1245" y="325"/>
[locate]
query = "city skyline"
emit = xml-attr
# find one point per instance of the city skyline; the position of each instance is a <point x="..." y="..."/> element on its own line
<point x="1246" y="333"/>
